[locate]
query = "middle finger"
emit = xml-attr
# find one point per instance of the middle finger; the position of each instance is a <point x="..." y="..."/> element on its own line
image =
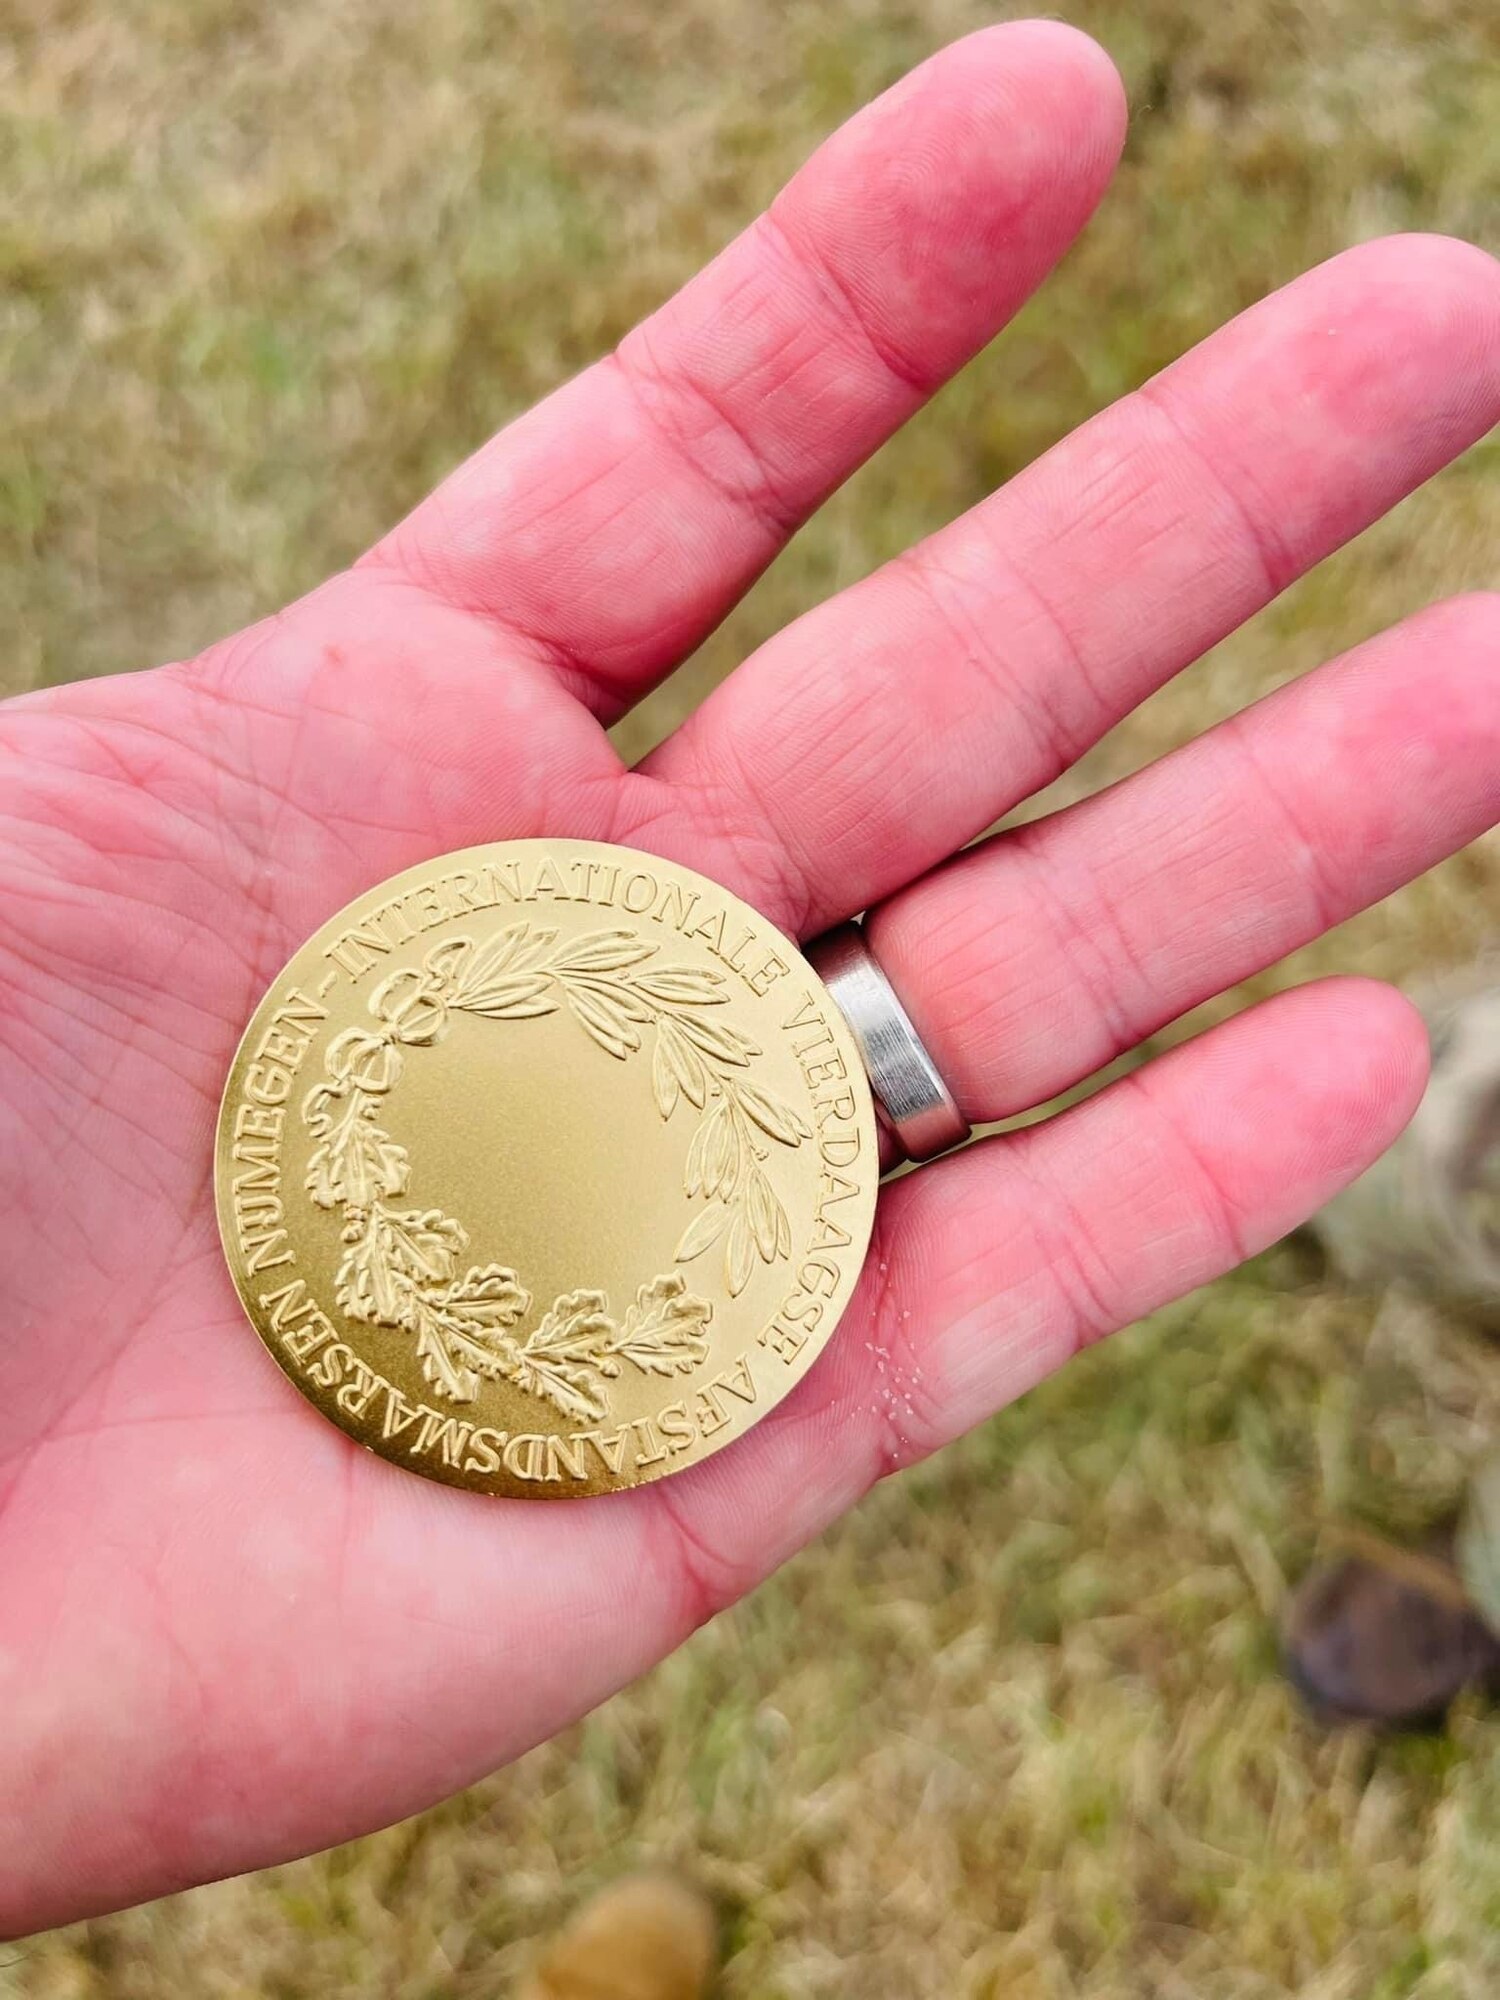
<point x="890" y="725"/>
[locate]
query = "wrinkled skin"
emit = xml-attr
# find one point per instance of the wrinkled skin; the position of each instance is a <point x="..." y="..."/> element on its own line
<point x="228" y="1636"/>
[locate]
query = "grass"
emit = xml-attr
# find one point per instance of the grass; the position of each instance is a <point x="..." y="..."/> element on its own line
<point x="1016" y="1728"/>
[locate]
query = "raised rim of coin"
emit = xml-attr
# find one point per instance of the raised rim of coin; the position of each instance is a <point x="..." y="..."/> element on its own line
<point x="606" y="997"/>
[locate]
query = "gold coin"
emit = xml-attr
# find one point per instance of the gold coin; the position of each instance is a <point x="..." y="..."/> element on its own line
<point x="546" y="1168"/>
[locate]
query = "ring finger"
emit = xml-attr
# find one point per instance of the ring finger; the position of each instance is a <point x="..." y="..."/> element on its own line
<point x="1033" y="960"/>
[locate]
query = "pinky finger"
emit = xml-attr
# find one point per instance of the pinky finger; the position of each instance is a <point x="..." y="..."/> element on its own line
<point x="1005" y="1260"/>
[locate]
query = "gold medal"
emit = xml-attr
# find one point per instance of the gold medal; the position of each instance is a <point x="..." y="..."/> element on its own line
<point x="546" y="1168"/>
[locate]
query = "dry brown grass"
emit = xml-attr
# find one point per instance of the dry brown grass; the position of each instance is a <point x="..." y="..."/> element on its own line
<point x="1015" y="1729"/>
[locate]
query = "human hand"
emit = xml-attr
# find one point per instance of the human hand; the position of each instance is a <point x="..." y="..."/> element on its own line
<point x="228" y="1635"/>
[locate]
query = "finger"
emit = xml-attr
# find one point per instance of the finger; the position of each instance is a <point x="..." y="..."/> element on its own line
<point x="1034" y="960"/>
<point x="616" y="523"/>
<point x="891" y="725"/>
<point x="992" y="1268"/>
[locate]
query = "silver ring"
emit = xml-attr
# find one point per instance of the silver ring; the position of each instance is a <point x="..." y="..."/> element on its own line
<point x="918" y="1105"/>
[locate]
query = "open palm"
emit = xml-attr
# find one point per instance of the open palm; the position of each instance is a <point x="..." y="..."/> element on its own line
<point x="228" y="1635"/>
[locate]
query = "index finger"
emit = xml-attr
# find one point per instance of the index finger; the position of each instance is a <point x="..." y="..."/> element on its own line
<point x="615" y="524"/>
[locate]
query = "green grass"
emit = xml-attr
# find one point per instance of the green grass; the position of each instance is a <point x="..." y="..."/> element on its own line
<point x="1015" y="1729"/>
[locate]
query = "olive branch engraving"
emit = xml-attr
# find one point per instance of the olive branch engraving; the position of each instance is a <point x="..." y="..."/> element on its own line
<point x="401" y="1266"/>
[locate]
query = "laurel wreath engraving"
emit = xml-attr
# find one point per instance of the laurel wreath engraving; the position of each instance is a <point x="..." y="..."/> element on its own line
<point x="401" y="1266"/>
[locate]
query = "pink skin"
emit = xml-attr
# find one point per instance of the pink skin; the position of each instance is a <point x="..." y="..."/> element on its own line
<point x="226" y="1635"/>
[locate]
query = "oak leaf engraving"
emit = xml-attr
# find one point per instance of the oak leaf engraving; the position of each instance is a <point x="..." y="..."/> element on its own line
<point x="666" y="1330"/>
<point x="562" y="1358"/>
<point x="461" y="1330"/>
<point x="355" y="1163"/>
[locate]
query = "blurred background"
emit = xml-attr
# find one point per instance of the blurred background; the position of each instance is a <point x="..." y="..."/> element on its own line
<point x="1017" y="1727"/>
